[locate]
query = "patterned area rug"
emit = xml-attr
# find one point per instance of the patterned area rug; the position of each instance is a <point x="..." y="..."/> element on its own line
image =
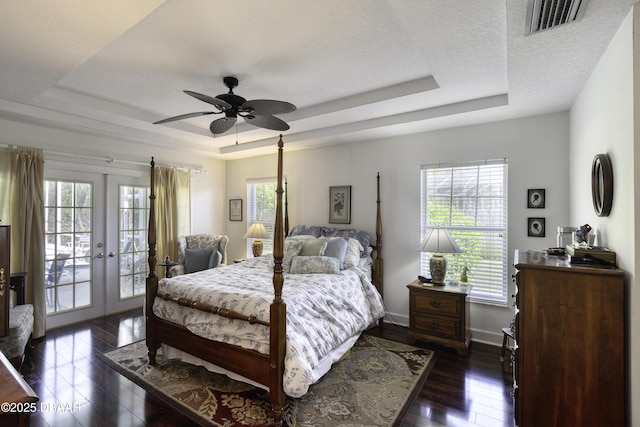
<point x="374" y="386"/>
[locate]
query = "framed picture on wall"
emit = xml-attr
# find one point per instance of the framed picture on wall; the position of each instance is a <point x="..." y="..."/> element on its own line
<point x="535" y="198"/>
<point x="340" y="205"/>
<point x="235" y="210"/>
<point x="536" y="227"/>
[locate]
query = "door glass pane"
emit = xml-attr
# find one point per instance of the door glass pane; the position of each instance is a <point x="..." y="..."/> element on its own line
<point x="133" y="223"/>
<point x="68" y="225"/>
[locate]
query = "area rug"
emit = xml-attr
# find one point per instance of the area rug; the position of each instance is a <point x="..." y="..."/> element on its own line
<point x="374" y="386"/>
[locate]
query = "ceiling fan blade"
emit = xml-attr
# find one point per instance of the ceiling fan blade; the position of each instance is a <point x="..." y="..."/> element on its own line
<point x="267" y="122"/>
<point x="184" y="116"/>
<point x="222" y="125"/>
<point x="268" y="106"/>
<point x="219" y="103"/>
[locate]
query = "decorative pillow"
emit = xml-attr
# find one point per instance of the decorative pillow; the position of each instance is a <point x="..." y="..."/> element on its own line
<point x="352" y="254"/>
<point x="301" y="237"/>
<point x="336" y="247"/>
<point x="315" y="265"/>
<point x="196" y="259"/>
<point x="361" y="236"/>
<point x="313" y="230"/>
<point x="215" y="259"/>
<point x="313" y="247"/>
<point x="291" y="249"/>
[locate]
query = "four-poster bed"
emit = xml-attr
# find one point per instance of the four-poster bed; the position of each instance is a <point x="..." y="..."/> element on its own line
<point x="242" y="352"/>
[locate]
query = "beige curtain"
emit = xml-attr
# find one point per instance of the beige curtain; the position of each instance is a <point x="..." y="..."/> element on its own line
<point x="173" y="213"/>
<point x="22" y="192"/>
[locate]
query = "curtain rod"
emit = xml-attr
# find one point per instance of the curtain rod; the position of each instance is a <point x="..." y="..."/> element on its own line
<point x="111" y="160"/>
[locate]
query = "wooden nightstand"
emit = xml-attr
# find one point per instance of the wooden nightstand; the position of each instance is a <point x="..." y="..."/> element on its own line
<point x="439" y="314"/>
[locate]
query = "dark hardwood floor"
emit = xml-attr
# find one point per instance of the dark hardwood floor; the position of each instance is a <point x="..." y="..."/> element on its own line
<point x="78" y="389"/>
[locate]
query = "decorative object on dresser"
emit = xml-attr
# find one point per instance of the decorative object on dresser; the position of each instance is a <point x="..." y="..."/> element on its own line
<point x="438" y="242"/>
<point x="257" y="231"/>
<point x="570" y="343"/>
<point x="340" y="205"/>
<point x="536" y="198"/>
<point x="439" y="314"/>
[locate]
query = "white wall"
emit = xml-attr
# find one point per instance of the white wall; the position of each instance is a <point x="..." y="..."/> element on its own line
<point x="604" y="120"/>
<point x="537" y="149"/>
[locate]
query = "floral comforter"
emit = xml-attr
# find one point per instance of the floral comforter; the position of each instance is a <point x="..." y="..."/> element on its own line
<point x="323" y="311"/>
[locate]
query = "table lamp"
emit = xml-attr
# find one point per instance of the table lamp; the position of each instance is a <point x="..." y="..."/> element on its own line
<point x="438" y="242"/>
<point x="257" y="231"/>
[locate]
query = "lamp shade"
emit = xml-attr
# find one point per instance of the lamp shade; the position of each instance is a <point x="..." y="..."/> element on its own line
<point x="439" y="241"/>
<point x="256" y="231"/>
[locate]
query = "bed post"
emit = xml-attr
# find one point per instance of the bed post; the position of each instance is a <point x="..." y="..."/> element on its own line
<point x="286" y="208"/>
<point x="278" y="307"/>
<point x="152" y="279"/>
<point x="377" y="268"/>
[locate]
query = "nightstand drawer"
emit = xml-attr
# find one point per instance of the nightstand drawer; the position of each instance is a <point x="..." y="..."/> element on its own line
<point x="445" y="327"/>
<point x="441" y="304"/>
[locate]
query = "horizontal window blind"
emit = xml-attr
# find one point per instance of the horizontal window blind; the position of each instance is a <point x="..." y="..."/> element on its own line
<point x="261" y="207"/>
<point x="470" y="200"/>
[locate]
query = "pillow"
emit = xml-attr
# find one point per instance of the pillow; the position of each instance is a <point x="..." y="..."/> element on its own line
<point x="315" y="265"/>
<point x="336" y="247"/>
<point x="300" y="237"/>
<point x="313" y="247"/>
<point x="352" y="254"/>
<point x="313" y="230"/>
<point x="196" y="259"/>
<point x="215" y="259"/>
<point x="291" y="249"/>
<point x="361" y="236"/>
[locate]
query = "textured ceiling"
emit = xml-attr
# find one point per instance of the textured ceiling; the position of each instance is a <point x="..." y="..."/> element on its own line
<point x="356" y="69"/>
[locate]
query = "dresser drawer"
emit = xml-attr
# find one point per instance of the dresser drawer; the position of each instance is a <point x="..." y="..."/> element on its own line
<point x="437" y="303"/>
<point x="440" y="326"/>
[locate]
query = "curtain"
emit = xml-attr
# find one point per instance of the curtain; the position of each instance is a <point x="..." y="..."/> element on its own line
<point x="173" y="215"/>
<point x="22" y="192"/>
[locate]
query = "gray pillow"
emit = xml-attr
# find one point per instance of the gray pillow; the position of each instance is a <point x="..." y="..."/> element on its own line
<point x="337" y="248"/>
<point x="196" y="259"/>
<point x="315" y="265"/>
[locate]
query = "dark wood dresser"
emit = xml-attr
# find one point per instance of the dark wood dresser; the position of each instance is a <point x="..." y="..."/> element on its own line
<point x="5" y="278"/>
<point x="569" y="361"/>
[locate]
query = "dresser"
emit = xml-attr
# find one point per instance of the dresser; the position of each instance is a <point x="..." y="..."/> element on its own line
<point x="569" y="332"/>
<point x="439" y="314"/>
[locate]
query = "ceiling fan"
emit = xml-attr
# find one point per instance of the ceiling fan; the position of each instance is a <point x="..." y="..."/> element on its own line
<point x="257" y="112"/>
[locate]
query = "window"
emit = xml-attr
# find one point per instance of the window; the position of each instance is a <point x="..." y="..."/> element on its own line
<point x="261" y="207"/>
<point x="470" y="200"/>
<point x="132" y="228"/>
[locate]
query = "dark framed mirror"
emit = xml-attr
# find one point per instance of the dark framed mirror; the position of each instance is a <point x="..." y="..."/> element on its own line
<point x="602" y="184"/>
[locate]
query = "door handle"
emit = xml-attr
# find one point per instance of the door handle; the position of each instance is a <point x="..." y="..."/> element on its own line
<point x="100" y="255"/>
<point x="112" y="254"/>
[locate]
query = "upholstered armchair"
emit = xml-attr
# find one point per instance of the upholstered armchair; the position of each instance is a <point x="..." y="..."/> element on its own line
<point x="200" y="252"/>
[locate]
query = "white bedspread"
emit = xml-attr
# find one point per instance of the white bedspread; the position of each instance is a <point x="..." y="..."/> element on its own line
<point x="323" y="310"/>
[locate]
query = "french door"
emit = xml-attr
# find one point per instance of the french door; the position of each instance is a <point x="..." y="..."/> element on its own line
<point x="96" y="234"/>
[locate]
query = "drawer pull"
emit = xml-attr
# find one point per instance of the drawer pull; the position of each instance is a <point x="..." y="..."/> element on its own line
<point x="435" y="304"/>
<point x="434" y="325"/>
<point x="3" y="281"/>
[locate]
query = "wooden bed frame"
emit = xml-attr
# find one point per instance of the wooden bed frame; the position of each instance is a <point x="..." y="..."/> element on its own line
<point x="266" y="369"/>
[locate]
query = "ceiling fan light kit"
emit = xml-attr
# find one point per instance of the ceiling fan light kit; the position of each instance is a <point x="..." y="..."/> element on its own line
<point x="257" y="112"/>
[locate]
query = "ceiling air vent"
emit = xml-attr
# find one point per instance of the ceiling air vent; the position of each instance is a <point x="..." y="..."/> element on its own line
<point x="547" y="14"/>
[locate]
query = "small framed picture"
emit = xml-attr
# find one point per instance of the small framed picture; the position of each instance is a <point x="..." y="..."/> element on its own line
<point x="535" y="227"/>
<point x="535" y="198"/>
<point x="235" y="210"/>
<point x="340" y="205"/>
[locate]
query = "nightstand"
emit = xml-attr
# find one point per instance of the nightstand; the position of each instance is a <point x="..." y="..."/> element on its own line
<point x="439" y="314"/>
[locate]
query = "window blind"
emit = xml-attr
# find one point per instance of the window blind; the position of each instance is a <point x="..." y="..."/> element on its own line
<point x="470" y="200"/>
<point x="261" y="207"/>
